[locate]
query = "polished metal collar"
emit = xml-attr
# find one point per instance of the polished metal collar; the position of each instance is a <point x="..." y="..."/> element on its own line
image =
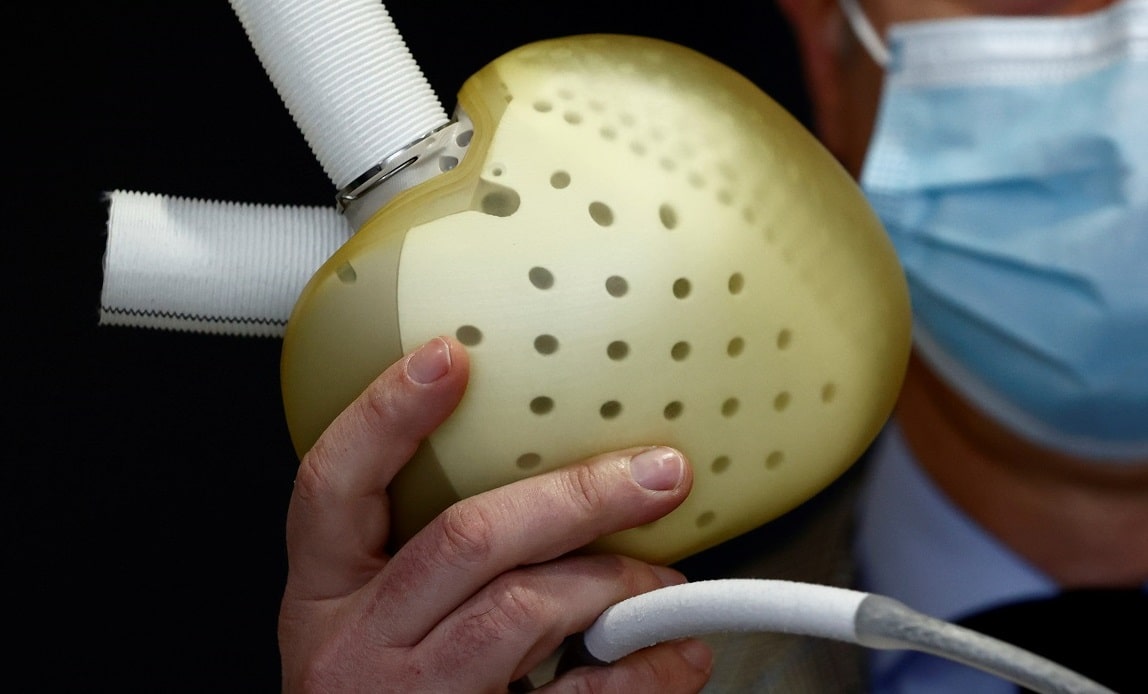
<point x="435" y="153"/>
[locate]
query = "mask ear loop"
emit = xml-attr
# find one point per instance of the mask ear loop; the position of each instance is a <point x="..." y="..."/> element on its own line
<point x="863" y="29"/>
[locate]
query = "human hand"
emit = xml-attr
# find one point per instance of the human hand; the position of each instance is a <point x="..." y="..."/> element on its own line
<point x="489" y="589"/>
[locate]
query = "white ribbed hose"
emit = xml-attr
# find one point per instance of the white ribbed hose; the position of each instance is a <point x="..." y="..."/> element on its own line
<point x="354" y="90"/>
<point x="346" y="77"/>
<point x="211" y="267"/>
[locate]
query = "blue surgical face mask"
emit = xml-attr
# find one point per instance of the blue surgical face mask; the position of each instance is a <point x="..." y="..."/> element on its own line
<point x="1009" y="163"/>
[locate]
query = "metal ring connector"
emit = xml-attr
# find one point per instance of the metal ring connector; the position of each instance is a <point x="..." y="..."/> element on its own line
<point x="436" y="152"/>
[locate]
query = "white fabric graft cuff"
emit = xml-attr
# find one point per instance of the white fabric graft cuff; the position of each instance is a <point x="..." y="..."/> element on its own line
<point x="208" y="266"/>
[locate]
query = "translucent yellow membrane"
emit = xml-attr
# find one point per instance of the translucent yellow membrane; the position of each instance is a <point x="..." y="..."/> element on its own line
<point x="640" y="247"/>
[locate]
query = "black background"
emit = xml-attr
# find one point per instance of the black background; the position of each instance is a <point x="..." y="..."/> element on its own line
<point x="146" y="472"/>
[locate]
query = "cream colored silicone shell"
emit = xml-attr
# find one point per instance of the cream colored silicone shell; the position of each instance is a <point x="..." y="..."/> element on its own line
<point x="640" y="247"/>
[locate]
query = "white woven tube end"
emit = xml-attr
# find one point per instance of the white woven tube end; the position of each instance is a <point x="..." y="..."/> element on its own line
<point x="211" y="267"/>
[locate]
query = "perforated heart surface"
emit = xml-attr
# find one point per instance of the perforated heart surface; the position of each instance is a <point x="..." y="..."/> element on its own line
<point x="640" y="248"/>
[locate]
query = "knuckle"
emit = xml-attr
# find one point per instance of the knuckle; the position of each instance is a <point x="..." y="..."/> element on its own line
<point x="509" y="608"/>
<point x="467" y="534"/>
<point x="320" y="670"/>
<point x="583" y="486"/>
<point x="516" y="603"/>
<point x="313" y="479"/>
<point x="378" y="406"/>
<point x="315" y="676"/>
<point x="513" y="605"/>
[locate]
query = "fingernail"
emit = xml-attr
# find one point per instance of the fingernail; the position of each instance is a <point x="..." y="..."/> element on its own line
<point x="430" y="362"/>
<point x="660" y="469"/>
<point x="696" y="653"/>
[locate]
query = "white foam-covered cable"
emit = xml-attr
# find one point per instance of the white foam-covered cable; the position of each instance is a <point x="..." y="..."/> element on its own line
<point x="764" y="605"/>
<point x="211" y="267"/>
<point x="740" y="605"/>
<point x="346" y="77"/>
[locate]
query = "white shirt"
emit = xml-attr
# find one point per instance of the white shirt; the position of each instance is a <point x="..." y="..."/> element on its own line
<point x="915" y="546"/>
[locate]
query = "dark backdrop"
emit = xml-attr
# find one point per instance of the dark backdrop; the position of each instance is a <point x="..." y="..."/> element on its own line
<point x="147" y="473"/>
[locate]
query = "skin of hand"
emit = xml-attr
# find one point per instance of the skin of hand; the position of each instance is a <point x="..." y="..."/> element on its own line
<point x="489" y="589"/>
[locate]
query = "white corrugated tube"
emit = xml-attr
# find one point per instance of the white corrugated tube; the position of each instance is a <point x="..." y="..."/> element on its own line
<point x="358" y="96"/>
<point x="346" y="76"/>
<point x="211" y="267"/>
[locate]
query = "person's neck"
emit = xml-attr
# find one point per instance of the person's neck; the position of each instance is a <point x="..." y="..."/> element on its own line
<point x="1083" y="523"/>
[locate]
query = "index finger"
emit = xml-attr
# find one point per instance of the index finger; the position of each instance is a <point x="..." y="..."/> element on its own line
<point x="529" y="521"/>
